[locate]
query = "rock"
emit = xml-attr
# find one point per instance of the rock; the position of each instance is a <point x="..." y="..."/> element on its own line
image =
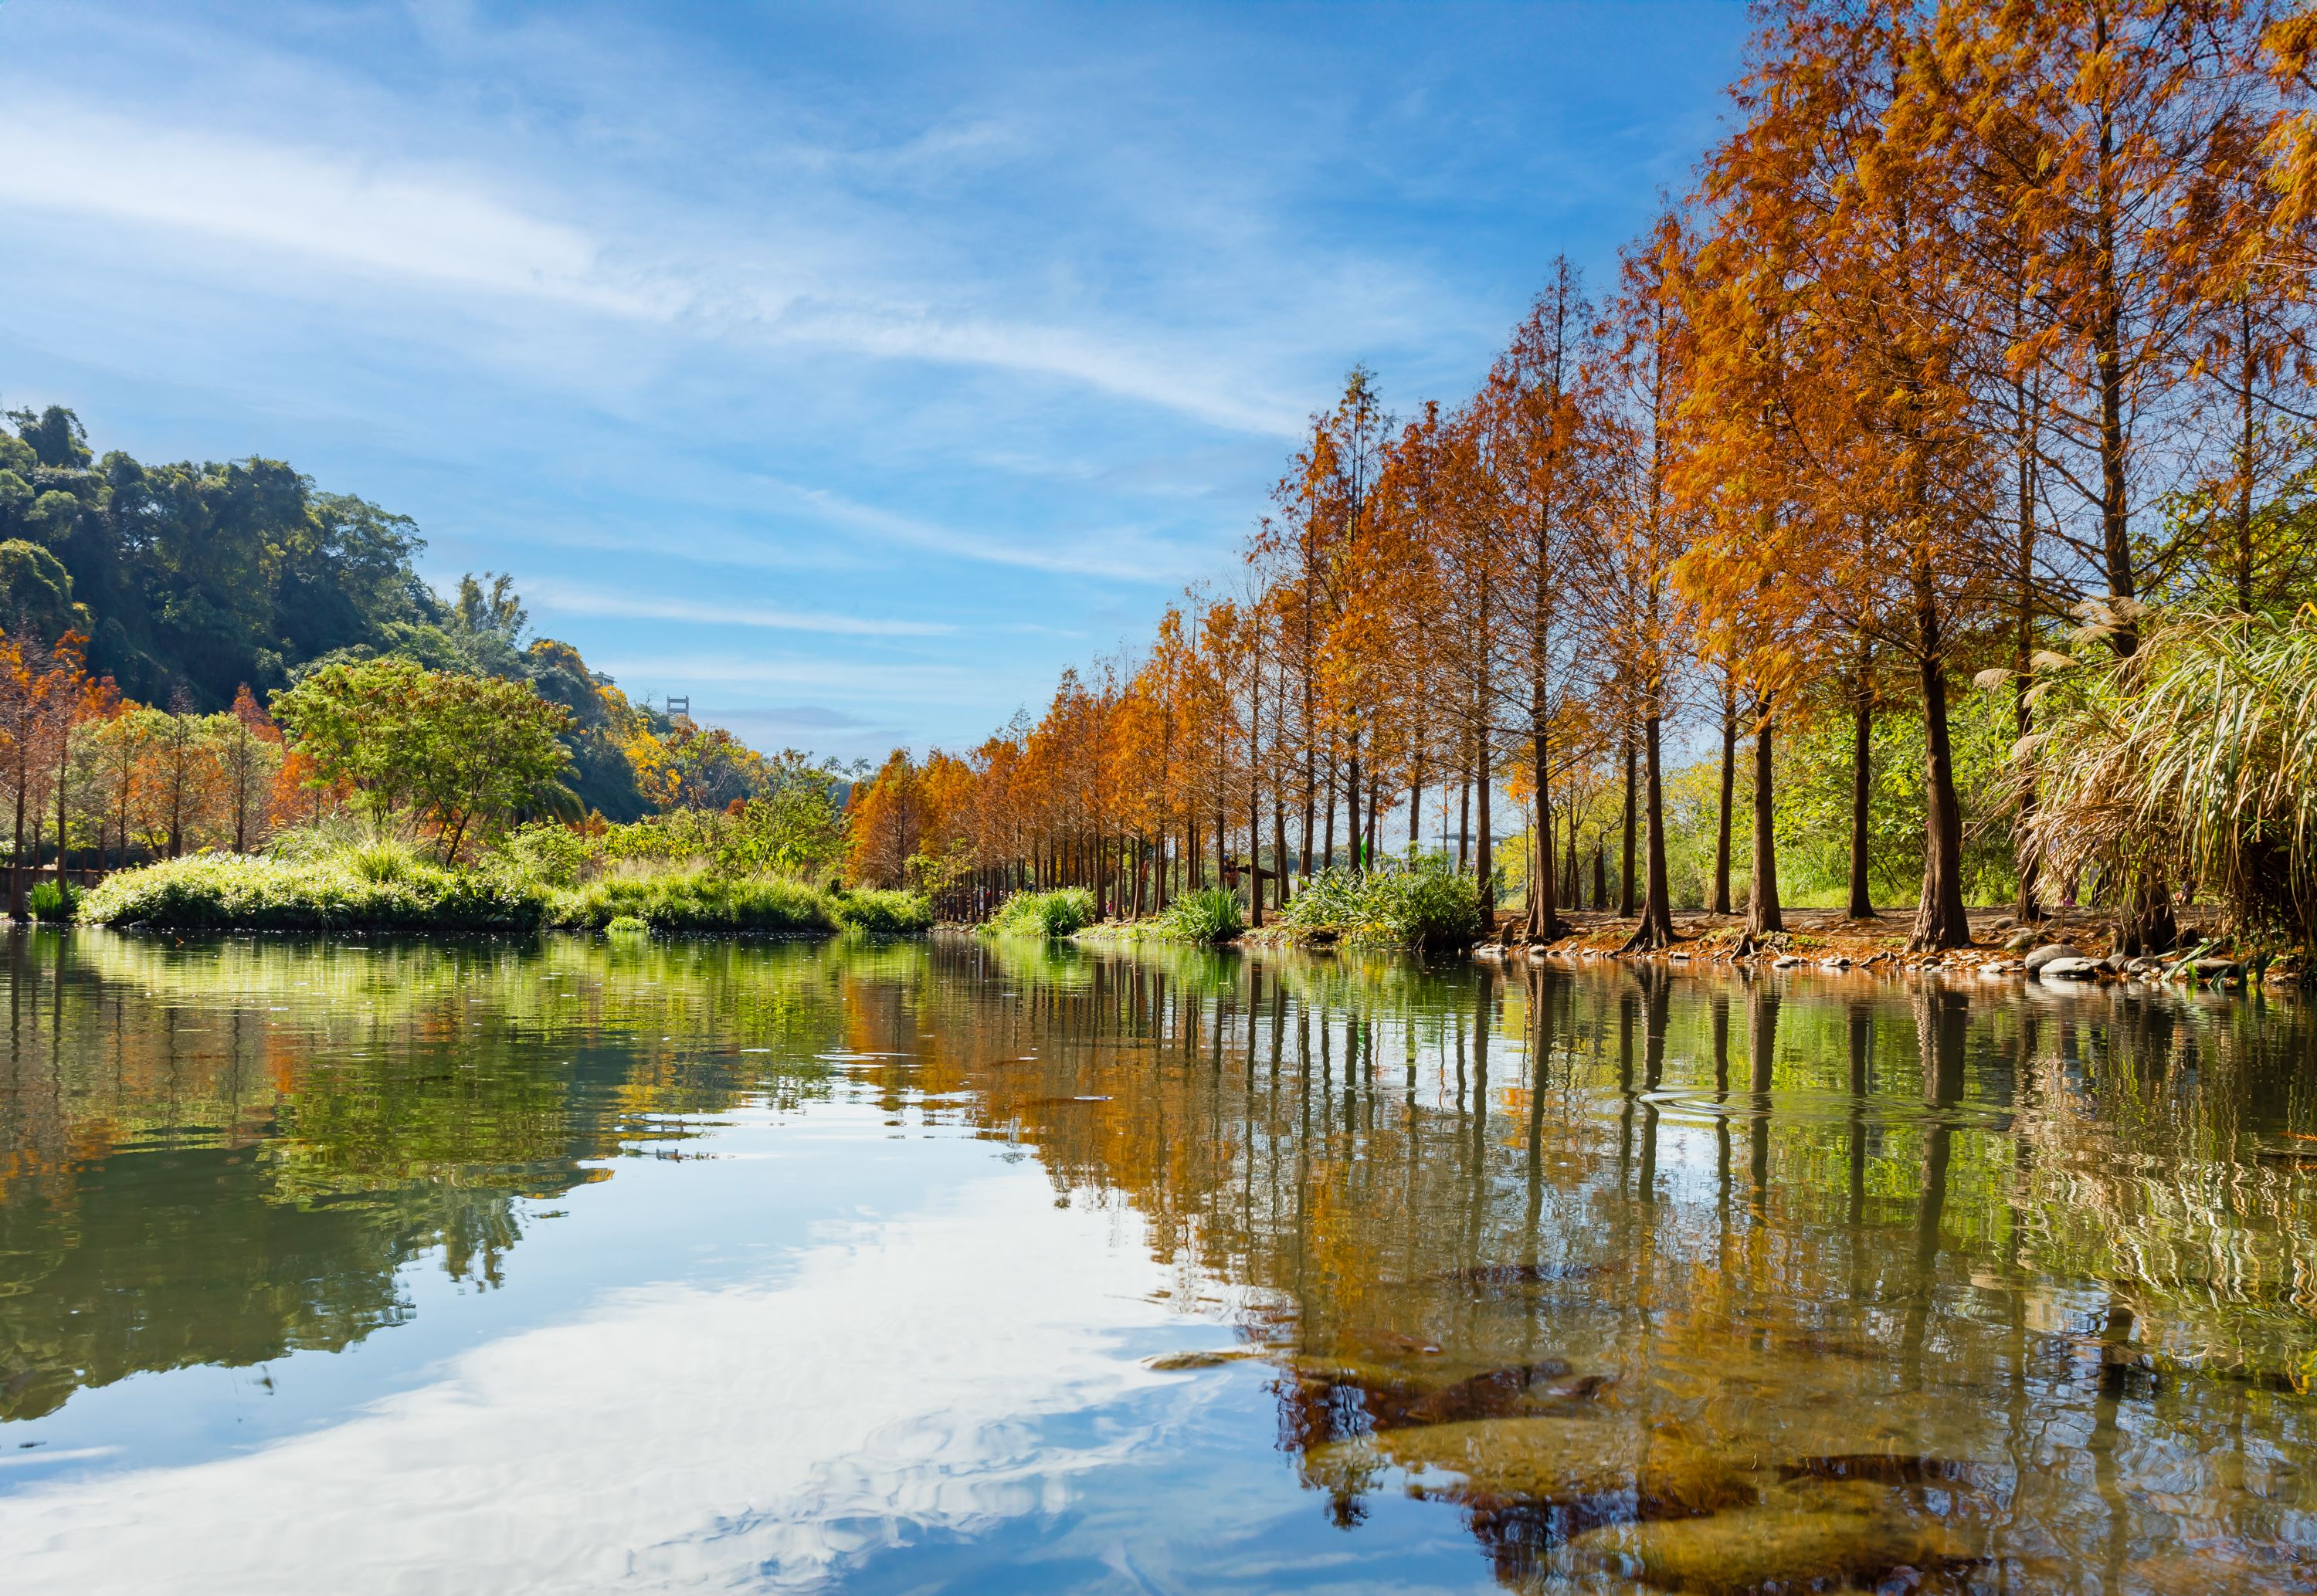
<point x="2067" y="969"/>
<point x="1835" y="963"/>
<point x="2223" y="971"/>
<point x="1784" y="961"/>
<point x="2019" y="941"/>
<point x="2050" y="952"/>
<point x="2006" y="923"/>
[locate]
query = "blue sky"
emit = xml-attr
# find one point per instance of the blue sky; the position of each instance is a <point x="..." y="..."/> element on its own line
<point x="853" y="370"/>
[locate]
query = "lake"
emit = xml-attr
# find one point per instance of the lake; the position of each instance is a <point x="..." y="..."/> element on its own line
<point x="948" y="1265"/>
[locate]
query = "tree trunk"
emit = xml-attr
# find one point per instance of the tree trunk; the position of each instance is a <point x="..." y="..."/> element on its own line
<point x="1940" y="921"/>
<point x="1729" y="795"/>
<point x="1484" y="856"/>
<point x="1279" y="846"/>
<point x="1626" y="875"/>
<point x="1254" y="848"/>
<point x="1862" y="785"/>
<point x="1328" y="835"/>
<point x="1543" y="919"/>
<point x="1352" y="802"/>
<point x="1762" y="915"/>
<point x="2107" y="341"/>
<point x="1374" y="816"/>
<point x="1655" y="929"/>
<point x="1464" y="822"/>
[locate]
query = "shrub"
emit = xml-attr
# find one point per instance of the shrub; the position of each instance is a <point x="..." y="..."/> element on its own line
<point x="625" y="925"/>
<point x="550" y="852"/>
<point x="385" y="886"/>
<point x="702" y="900"/>
<point x="232" y="891"/>
<point x="1055" y="913"/>
<point x="1426" y="904"/>
<point x="53" y="900"/>
<point x="1209" y="915"/>
<point x="695" y="900"/>
<point x="870" y="909"/>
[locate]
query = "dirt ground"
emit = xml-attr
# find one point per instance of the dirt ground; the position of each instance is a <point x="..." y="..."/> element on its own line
<point x="1826" y="937"/>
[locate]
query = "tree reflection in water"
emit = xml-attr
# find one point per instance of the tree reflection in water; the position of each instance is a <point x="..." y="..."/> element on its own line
<point x="1711" y="1281"/>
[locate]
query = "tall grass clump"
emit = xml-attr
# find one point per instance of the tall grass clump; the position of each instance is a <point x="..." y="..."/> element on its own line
<point x="1055" y="913"/>
<point x="2188" y="765"/>
<point x="53" y="901"/>
<point x="1426" y="904"/>
<point x="1209" y="915"/>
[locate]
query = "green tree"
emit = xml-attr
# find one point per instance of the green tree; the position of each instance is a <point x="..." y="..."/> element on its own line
<point x="450" y="751"/>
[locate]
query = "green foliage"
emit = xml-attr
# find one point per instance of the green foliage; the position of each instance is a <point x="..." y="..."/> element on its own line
<point x="1423" y="904"/>
<point x="36" y="592"/>
<point x="250" y="892"/>
<point x="199" y="577"/>
<point x="1209" y="915"/>
<point x="53" y="900"/>
<point x="1814" y="775"/>
<point x="1056" y="913"/>
<point x="454" y="752"/>
<point x="626" y="925"/>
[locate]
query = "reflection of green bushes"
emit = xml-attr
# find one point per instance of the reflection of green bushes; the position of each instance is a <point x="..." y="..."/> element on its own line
<point x="1055" y="913"/>
<point x="1425" y="904"/>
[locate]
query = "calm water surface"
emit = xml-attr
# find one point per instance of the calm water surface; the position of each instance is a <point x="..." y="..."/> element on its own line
<point x="574" y="1267"/>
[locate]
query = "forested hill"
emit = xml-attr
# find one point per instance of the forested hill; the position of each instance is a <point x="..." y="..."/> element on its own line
<point x="189" y="580"/>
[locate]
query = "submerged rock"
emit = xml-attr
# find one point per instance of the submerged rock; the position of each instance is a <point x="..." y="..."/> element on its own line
<point x="1565" y="1463"/>
<point x="2067" y="969"/>
<point x="1808" y="1533"/>
<point x="1178" y="1362"/>
<point x="1339" y="1400"/>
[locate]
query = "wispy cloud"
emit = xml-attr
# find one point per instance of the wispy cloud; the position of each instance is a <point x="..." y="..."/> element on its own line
<point x="1119" y="555"/>
<point x="429" y="226"/>
<point x="574" y="600"/>
<point x="451" y="229"/>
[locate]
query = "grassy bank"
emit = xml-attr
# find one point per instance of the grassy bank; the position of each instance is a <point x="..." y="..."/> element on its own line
<point x="386" y="887"/>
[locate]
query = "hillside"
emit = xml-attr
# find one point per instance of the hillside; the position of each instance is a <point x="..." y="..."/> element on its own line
<point x="192" y="579"/>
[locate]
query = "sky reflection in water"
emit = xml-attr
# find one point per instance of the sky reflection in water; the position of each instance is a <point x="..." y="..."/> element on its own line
<point x="579" y="1268"/>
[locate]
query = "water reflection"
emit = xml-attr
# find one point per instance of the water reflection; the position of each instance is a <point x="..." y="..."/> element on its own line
<point x="1627" y="1274"/>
